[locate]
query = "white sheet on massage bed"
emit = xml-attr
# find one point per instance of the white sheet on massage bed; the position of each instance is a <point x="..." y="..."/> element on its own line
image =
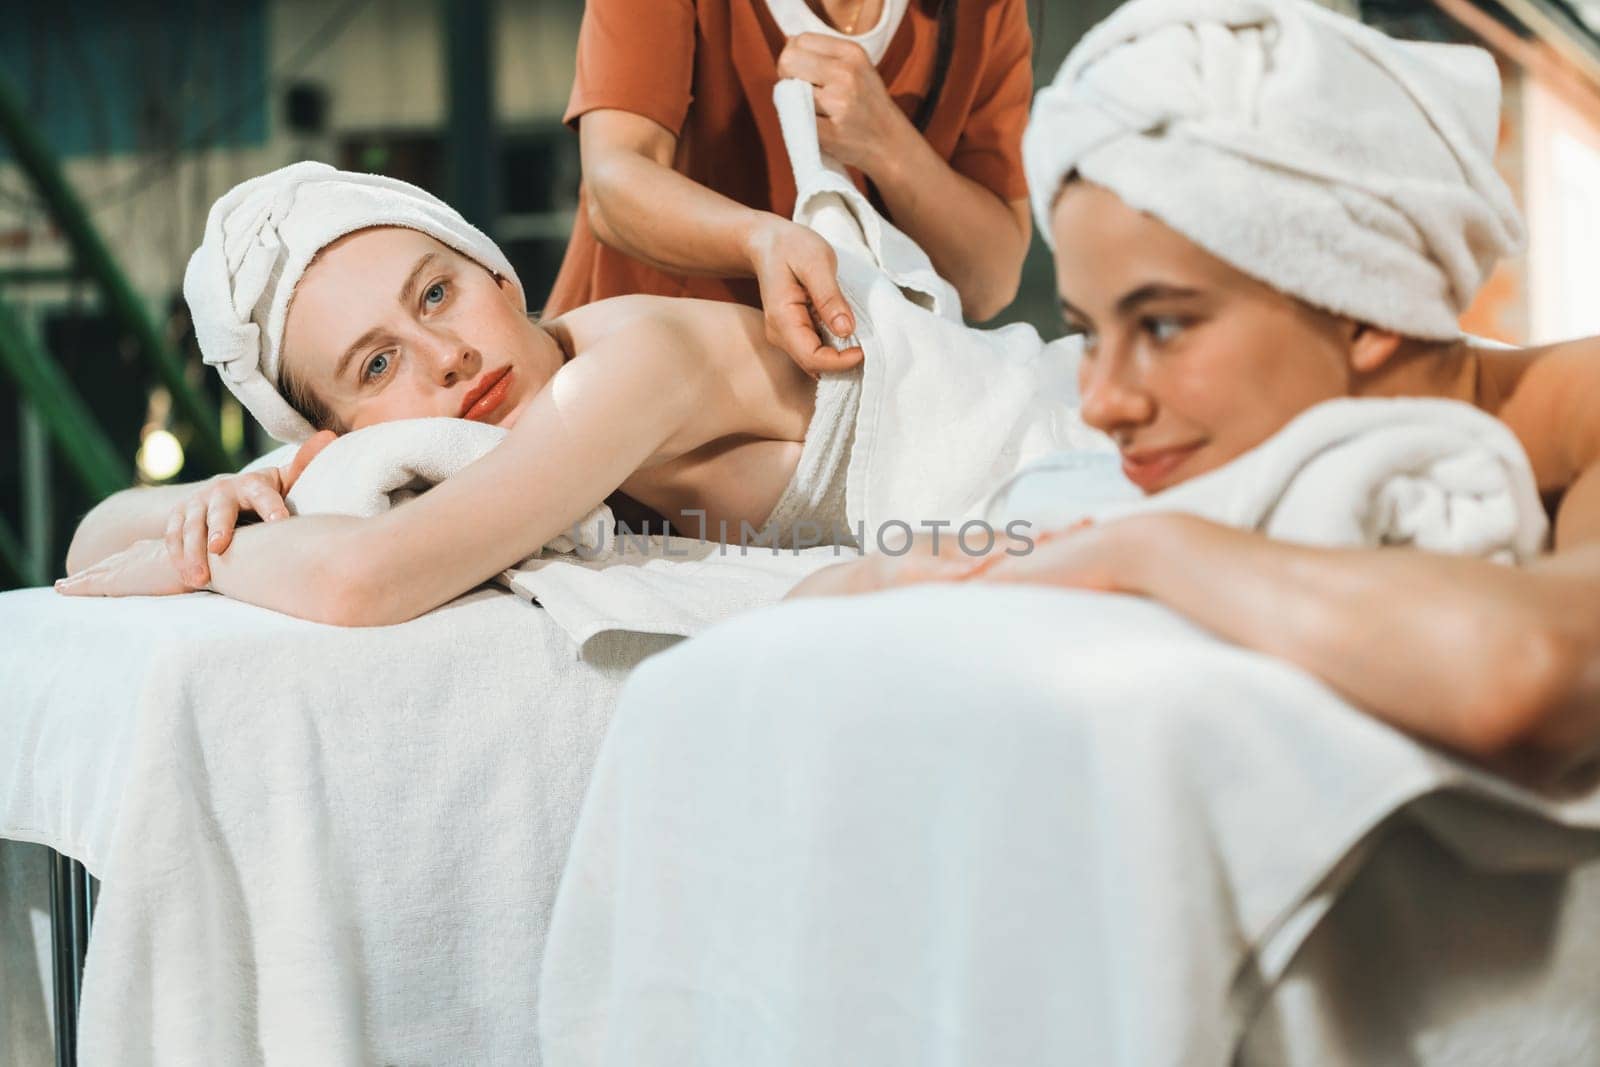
<point x="363" y="829"/>
<point x="990" y="826"/>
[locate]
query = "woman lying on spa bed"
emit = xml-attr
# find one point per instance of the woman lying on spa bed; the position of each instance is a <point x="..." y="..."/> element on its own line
<point x="1191" y="360"/>
<point x="683" y="404"/>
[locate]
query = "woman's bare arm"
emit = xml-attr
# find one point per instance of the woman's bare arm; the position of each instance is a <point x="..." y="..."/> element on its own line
<point x="120" y="519"/>
<point x="596" y="422"/>
<point x="182" y="514"/>
<point x="1497" y="662"/>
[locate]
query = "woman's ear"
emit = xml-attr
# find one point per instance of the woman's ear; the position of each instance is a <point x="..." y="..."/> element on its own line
<point x="1371" y="348"/>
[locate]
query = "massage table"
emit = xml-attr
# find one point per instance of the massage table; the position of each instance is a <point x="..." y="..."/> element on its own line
<point x="315" y="844"/>
<point x="983" y="826"/>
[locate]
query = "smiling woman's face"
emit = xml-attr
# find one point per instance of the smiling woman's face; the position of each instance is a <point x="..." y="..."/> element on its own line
<point x="391" y="324"/>
<point x="1188" y="363"/>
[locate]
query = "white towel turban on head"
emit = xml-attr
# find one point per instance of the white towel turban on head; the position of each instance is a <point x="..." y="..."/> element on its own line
<point x="260" y="237"/>
<point x="1314" y="153"/>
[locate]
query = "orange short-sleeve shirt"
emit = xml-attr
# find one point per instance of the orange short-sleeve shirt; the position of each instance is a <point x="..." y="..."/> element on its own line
<point x="705" y="69"/>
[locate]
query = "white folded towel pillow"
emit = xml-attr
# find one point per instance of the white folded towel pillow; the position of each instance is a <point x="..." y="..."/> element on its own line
<point x="259" y="239"/>
<point x="368" y="471"/>
<point x="1436" y="475"/>
<point x="1314" y="153"/>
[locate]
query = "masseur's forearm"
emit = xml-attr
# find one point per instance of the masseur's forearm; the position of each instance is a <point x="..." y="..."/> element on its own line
<point x="975" y="239"/>
<point x="1498" y="662"/>
<point x="119" y="520"/>
<point x="655" y="214"/>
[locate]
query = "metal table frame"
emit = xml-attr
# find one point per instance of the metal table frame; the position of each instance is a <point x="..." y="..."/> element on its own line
<point x="73" y="892"/>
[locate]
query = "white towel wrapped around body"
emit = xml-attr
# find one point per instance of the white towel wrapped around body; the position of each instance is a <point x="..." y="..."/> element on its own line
<point x="945" y="411"/>
<point x="1437" y="475"/>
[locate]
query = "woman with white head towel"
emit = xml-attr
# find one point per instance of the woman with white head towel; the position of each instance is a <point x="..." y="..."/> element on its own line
<point x="1259" y="205"/>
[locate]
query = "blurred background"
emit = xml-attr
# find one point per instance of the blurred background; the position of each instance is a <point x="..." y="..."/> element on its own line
<point x="121" y="121"/>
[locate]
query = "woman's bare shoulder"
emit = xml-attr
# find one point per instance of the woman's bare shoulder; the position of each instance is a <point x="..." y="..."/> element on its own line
<point x="641" y="313"/>
<point x="711" y="333"/>
<point x="1550" y="397"/>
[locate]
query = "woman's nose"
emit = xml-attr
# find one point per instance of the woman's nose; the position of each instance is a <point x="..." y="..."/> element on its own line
<point x="1112" y="399"/>
<point x="454" y="360"/>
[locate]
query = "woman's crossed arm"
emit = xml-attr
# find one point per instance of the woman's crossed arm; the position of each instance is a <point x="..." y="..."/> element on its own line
<point x="596" y="423"/>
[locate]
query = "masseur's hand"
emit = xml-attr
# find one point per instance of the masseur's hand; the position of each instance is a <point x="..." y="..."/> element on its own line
<point x="797" y="271"/>
<point x="144" y="568"/>
<point x="205" y="522"/>
<point x="857" y="122"/>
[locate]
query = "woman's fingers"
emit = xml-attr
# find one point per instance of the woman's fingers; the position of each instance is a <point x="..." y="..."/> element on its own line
<point x="817" y="270"/>
<point x="796" y="270"/>
<point x="173" y="537"/>
<point x="196" y="568"/>
<point x="789" y="327"/>
<point x="265" y="501"/>
<point x="144" y="568"/>
<point x="798" y="61"/>
<point x="222" y="515"/>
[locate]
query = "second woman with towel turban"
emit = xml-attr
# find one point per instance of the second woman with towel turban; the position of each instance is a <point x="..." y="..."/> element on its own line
<point x="1256" y="206"/>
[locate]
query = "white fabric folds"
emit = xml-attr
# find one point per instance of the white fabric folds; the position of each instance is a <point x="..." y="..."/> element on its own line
<point x="1318" y="155"/>
<point x="259" y="239"/>
<point x="1435" y="475"/>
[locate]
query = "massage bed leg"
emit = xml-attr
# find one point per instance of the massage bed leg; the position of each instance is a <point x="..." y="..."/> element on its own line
<point x="72" y="893"/>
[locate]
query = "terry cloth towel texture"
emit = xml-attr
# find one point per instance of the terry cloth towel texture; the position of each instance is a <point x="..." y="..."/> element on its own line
<point x="1235" y="854"/>
<point x="946" y="411"/>
<point x="1314" y="153"/>
<point x="811" y="511"/>
<point x="1436" y="475"/>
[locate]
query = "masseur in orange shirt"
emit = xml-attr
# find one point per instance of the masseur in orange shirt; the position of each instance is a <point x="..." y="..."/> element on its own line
<point x="687" y="187"/>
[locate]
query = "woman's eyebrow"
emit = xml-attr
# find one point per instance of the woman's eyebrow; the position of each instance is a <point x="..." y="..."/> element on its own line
<point x="1148" y="293"/>
<point x="371" y="337"/>
<point x="408" y="290"/>
<point x="1068" y="311"/>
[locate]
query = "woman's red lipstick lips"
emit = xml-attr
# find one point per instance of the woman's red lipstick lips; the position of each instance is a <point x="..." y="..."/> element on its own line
<point x="487" y="395"/>
<point x="1150" y="468"/>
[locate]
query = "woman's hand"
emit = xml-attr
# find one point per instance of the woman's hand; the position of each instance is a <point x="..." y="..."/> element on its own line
<point x="144" y="568"/>
<point x="926" y="559"/>
<point x="1099" y="557"/>
<point x="798" y="271"/>
<point x="205" y="522"/>
<point x="857" y="122"/>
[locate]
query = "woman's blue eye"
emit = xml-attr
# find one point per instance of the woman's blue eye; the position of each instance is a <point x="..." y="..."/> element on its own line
<point x="434" y="296"/>
<point x="377" y="368"/>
